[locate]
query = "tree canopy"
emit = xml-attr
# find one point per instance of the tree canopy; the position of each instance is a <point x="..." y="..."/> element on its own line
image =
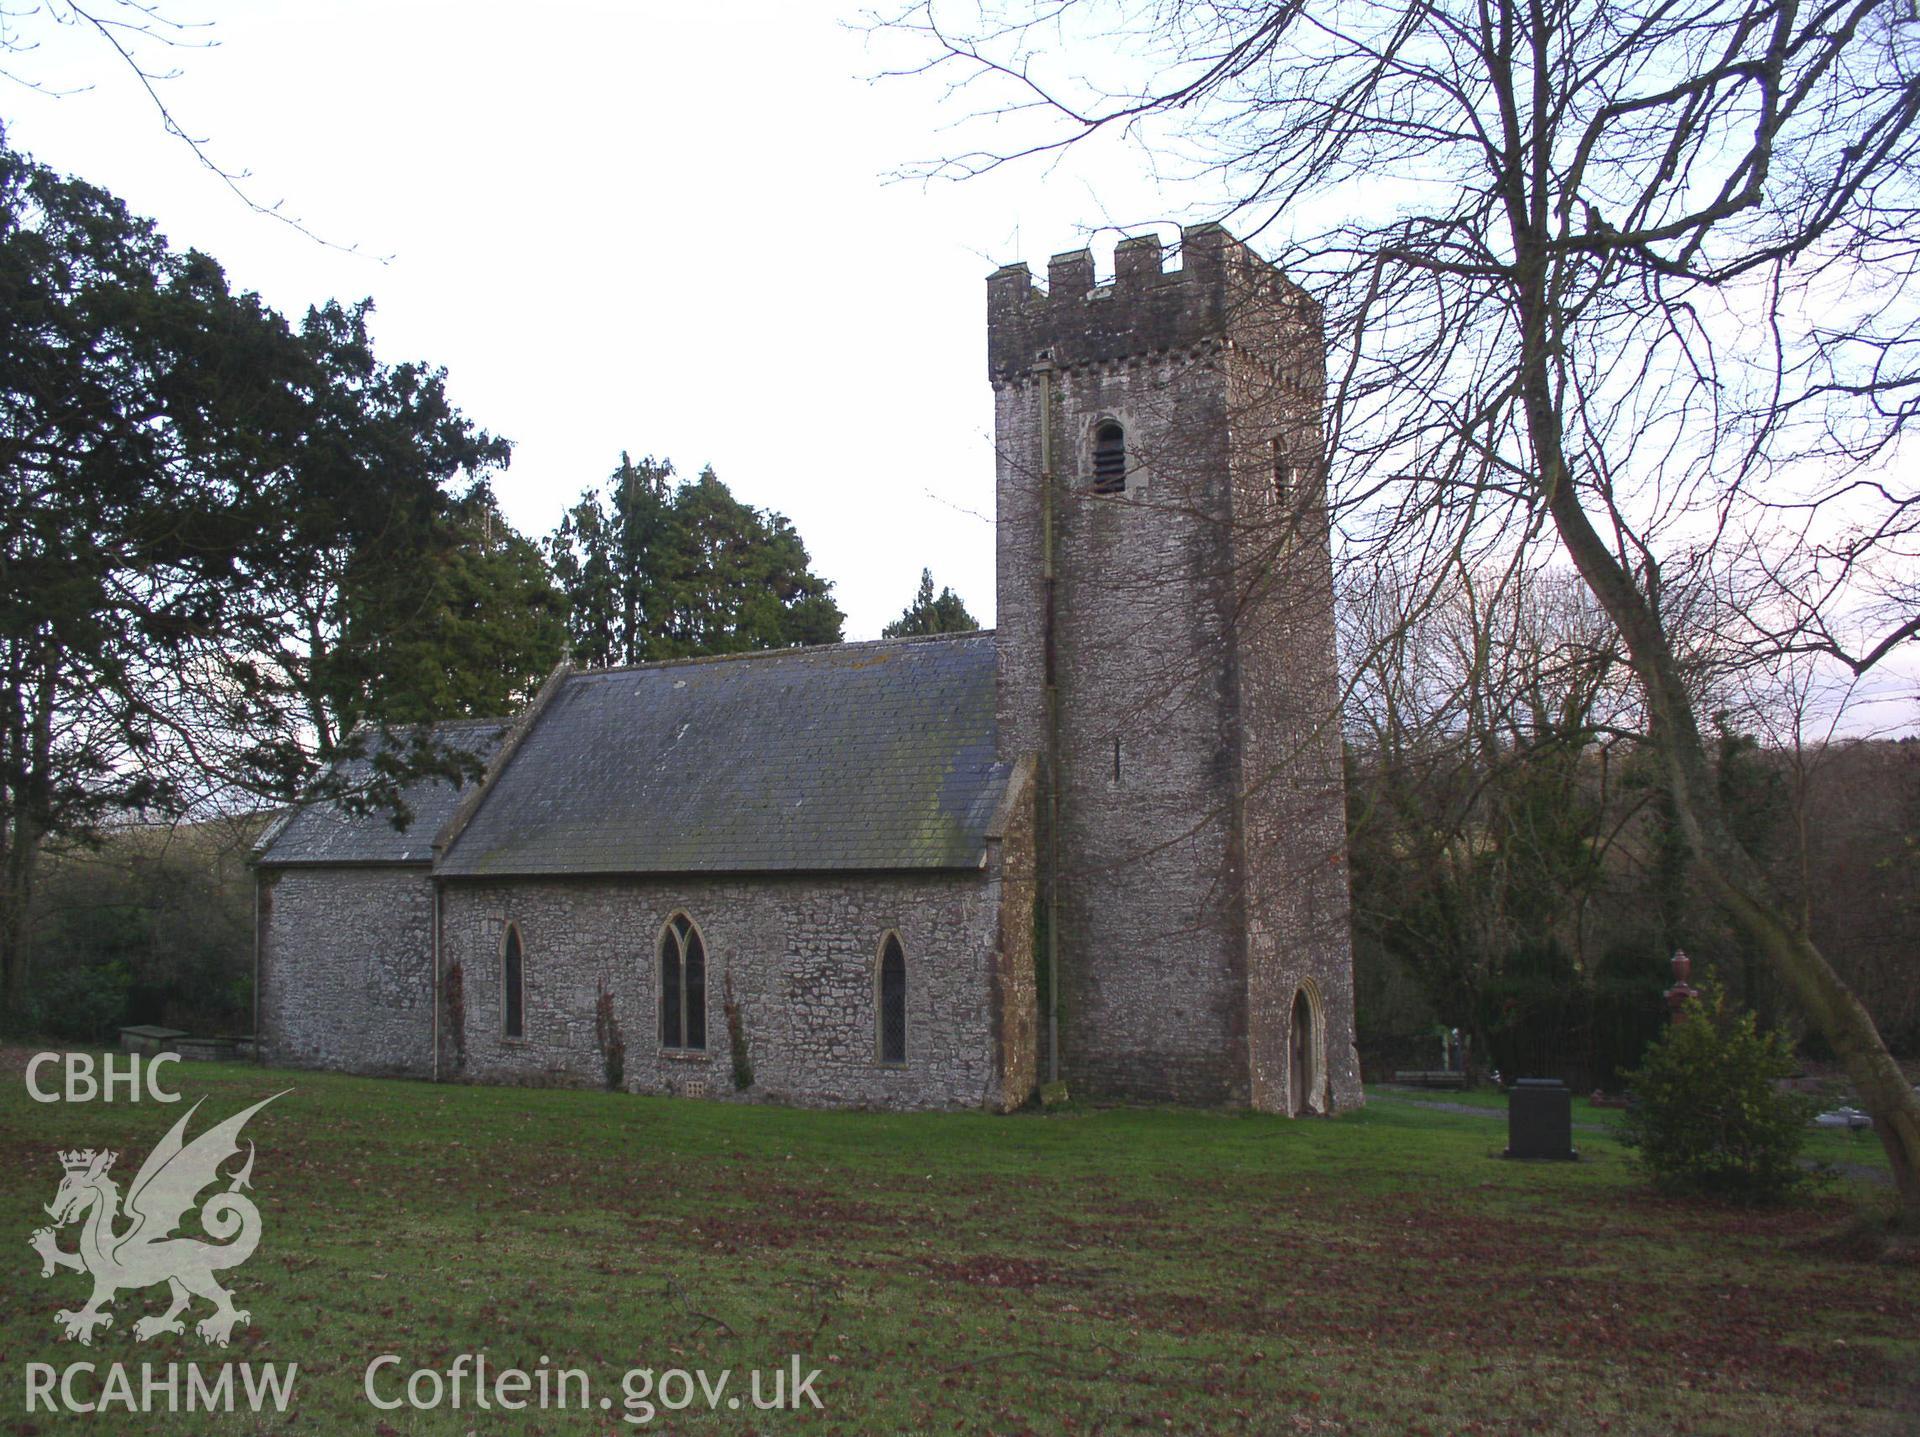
<point x="929" y="615"/>
<point x="223" y="541"/>
<point x="654" y="569"/>
<point x="385" y="585"/>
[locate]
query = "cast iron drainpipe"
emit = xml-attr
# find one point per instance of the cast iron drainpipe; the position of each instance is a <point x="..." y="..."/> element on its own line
<point x="435" y="922"/>
<point x="1052" y="720"/>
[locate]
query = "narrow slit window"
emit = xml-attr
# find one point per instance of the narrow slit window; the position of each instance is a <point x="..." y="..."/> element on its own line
<point x="893" y="1001"/>
<point x="683" y="986"/>
<point x="1109" y="459"/>
<point x="1282" y="476"/>
<point x="513" y="996"/>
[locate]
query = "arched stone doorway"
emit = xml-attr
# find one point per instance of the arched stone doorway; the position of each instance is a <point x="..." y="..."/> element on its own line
<point x="1305" y="1068"/>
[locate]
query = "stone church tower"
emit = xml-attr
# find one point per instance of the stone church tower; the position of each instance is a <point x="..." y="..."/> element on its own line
<point x="1165" y="643"/>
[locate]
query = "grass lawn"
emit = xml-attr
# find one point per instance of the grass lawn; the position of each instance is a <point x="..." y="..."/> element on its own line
<point x="1081" y="1271"/>
<point x="1848" y="1150"/>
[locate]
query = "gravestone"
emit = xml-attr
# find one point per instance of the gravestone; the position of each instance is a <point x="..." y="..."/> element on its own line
<point x="145" y="1038"/>
<point x="1540" y="1120"/>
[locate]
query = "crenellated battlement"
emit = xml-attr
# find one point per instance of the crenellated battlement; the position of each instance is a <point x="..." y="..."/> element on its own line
<point x="1146" y="308"/>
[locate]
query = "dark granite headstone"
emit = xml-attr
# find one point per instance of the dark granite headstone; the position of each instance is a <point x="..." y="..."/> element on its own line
<point x="1540" y="1120"/>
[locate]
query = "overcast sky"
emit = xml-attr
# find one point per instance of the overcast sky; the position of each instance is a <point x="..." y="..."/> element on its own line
<point x="663" y="228"/>
<point x="670" y="229"/>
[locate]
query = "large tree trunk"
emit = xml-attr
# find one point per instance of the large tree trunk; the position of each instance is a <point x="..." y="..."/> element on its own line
<point x="16" y="888"/>
<point x="1736" y="879"/>
<point x="29" y="753"/>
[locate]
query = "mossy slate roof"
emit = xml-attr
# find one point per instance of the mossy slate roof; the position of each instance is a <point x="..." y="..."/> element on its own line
<point x="867" y="756"/>
<point x="320" y="833"/>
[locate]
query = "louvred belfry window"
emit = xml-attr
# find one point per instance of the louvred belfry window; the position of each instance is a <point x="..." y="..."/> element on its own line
<point x="1109" y="459"/>
<point x="683" y="986"/>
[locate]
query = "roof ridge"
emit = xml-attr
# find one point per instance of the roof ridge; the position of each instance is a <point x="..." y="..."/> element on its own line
<point x="788" y="650"/>
<point x="373" y="727"/>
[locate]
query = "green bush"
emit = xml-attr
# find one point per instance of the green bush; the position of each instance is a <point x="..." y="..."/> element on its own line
<point x="81" y="1004"/>
<point x="1709" y="1116"/>
<point x="172" y="907"/>
<point x="607" y="1037"/>
<point x="1533" y="1010"/>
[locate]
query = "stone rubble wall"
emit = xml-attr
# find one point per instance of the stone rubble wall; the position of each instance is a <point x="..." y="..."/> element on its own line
<point x="345" y="977"/>
<point x="796" y="954"/>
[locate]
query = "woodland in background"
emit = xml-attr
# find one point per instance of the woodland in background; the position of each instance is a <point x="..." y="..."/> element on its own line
<point x="1533" y="901"/>
<point x="1518" y="870"/>
<point x="153" y="926"/>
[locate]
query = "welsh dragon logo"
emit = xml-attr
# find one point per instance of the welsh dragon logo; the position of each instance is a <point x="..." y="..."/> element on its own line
<point x="145" y="1252"/>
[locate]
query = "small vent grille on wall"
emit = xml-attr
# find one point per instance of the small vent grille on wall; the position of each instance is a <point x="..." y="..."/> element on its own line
<point x="1109" y="459"/>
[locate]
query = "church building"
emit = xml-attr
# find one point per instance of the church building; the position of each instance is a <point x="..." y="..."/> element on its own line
<point x="1103" y="843"/>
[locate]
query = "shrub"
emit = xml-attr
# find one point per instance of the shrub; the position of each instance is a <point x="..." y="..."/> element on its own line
<point x="456" y="1000"/>
<point x="81" y="1004"/>
<point x="172" y="905"/>
<point x="1709" y="1116"/>
<point x="1629" y="1009"/>
<point x="737" y="1036"/>
<point x="608" y="1039"/>
<point x="1533" y="1010"/>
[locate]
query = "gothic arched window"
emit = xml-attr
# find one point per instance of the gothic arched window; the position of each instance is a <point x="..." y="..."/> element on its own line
<point x="892" y="1007"/>
<point x="513" y="1021"/>
<point x="1109" y="458"/>
<point x="683" y="986"/>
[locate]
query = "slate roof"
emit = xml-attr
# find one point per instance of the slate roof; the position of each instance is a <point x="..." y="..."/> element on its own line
<point x="320" y="833"/>
<point x="871" y="756"/>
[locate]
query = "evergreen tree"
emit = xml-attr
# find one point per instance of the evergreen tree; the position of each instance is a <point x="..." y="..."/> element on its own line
<point x="929" y="615"/>
<point x="376" y="600"/>
<point x="468" y="630"/>
<point x="608" y="555"/>
<point x="654" y="570"/>
<point x="223" y="541"/>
